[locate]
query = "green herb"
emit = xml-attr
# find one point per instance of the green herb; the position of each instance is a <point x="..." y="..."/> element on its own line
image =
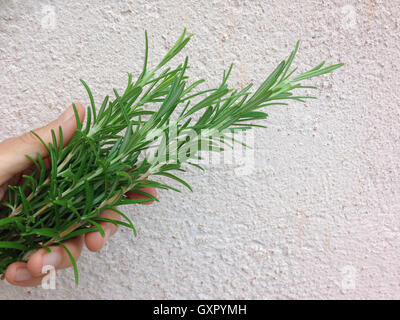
<point x="129" y="142"/>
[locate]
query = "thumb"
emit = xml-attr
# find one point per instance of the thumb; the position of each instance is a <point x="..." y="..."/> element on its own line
<point x="13" y="150"/>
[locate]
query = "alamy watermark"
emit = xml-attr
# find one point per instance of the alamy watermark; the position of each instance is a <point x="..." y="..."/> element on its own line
<point x="49" y="280"/>
<point x="207" y="148"/>
<point x="48" y="17"/>
<point x="349" y="274"/>
<point x="349" y="17"/>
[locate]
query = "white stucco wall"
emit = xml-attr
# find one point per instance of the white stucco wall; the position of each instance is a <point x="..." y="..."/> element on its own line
<point x="319" y="215"/>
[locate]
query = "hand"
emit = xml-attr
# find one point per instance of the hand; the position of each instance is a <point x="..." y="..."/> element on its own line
<point x="13" y="164"/>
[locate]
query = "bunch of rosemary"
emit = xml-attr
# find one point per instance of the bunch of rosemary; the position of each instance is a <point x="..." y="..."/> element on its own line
<point x="125" y="142"/>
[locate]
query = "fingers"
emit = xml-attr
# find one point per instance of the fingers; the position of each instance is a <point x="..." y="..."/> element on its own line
<point x="58" y="257"/>
<point x="30" y="273"/>
<point x="149" y="190"/>
<point x="13" y="150"/>
<point x="94" y="240"/>
<point x="13" y="181"/>
<point x="19" y="275"/>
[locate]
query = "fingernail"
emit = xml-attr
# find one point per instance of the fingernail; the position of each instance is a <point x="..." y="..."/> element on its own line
<point x="22" y="274"/>
<point x="67" y="114"/>
<point x="53" y="258"/>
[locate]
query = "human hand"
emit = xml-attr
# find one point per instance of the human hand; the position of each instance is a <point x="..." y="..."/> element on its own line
<point x="13" y="164"/>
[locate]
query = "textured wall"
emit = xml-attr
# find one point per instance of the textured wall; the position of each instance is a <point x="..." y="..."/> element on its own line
<point x="318" y="215"/>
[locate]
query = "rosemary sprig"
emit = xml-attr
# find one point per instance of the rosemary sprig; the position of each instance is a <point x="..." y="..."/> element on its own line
<point x="126" y="142"/>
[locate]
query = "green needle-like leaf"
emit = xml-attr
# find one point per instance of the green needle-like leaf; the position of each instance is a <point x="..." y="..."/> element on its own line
<point x="158" y="124"/>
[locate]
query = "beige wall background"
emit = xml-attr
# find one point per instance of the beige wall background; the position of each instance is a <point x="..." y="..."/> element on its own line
<point x="318" y="217"/>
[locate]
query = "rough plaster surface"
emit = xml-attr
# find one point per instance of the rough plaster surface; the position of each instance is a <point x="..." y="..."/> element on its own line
<point x="317" y="217"/>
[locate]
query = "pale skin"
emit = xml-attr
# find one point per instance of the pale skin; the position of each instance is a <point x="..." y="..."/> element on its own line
<point x="13" y="164"/>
